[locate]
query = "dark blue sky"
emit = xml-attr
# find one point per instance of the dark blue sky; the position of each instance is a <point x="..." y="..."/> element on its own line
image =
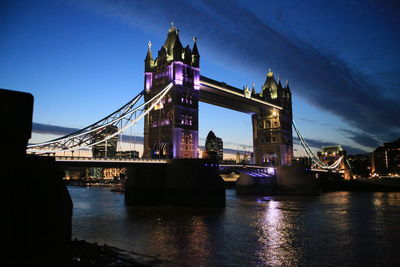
<point x="83" y="59"/>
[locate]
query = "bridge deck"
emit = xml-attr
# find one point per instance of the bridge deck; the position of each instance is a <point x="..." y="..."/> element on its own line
<point x="105" y="162"/>
<point x="223" y="95"/>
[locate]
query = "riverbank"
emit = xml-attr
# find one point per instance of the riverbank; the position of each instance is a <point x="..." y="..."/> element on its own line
<point x="362" y="185"/>
<point x="83" y="253"/>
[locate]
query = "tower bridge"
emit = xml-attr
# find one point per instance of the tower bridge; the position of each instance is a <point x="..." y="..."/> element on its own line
<point x="171" y="129"/>
<point x="172" y="90"/>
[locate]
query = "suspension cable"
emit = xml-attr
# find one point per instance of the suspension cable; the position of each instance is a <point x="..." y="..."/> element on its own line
<point x="81" y="139"/>
<point x="311" y="154"/>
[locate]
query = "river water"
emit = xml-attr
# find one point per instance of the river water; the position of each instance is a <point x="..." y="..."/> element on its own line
<point x="333" y="229"/>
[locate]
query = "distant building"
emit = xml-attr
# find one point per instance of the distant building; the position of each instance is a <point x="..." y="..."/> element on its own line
<point x="237" y="157"/>
<point x="360" y="165"/>
<point x="330" y="154"/>
<point x="108" y="148"/>
<point x="385" y="160"/>
<point x="214" y="146"/>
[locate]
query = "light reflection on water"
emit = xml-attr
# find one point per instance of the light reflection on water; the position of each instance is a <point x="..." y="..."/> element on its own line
<point x="333" y="229"/>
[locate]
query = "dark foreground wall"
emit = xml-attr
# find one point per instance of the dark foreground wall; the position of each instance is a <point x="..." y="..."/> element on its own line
<point x="193" y="182"/>
<point x="37" y="208"/>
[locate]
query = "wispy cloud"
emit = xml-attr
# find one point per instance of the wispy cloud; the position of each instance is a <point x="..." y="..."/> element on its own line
<point x="325" y="81"/>
<point x="51" y="129"/>
<point x="314" y="121"/>
<point x="362" y="138"/>
<point x="318" y="144"/>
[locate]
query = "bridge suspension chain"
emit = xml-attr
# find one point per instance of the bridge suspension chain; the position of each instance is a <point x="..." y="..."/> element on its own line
<point x="123" y="118"/>
<point x="311" y="154"/>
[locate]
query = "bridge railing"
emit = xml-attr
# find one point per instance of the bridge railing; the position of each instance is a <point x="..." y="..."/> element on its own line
<point x="71" y="158"/>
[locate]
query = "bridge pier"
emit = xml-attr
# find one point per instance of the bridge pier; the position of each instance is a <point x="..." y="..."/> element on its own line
<point x="188" y="182"/>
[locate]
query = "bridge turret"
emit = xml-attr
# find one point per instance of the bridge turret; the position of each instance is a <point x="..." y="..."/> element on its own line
<point x="195" y="54"/>
<point x="287" y="94"/>
<point x="280" y="91"/>
<point x="270" y="87"/>
<point x="148" y="61"/>
<point x="187" y="55"/>
<point x="287" y="87"/>
<point x="253" y="89"/>
<point x="173" y="45"/>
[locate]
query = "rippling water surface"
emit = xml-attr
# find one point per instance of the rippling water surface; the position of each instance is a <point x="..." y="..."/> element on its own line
<point x="334" y="229"/>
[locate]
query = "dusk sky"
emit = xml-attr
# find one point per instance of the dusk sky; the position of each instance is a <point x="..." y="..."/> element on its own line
<point x="84" y="59"/>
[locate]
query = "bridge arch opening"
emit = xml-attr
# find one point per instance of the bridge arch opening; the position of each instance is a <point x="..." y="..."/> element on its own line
<point x="161" y="150"/>
<point x="269" y="159"/>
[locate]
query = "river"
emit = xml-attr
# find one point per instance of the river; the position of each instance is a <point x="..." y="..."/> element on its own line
<point x="333" y="229"/>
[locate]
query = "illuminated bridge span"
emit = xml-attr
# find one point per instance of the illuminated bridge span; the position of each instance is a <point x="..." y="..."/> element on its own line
<point x="227" y="96"/>
<point x="173" y="88"/>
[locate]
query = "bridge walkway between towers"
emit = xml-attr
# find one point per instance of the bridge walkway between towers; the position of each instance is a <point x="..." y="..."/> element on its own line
<point x="227" y="96"/>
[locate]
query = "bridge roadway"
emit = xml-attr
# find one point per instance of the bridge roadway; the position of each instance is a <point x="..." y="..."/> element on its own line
<point x="66" y="161"/>
<point x="105" y="162"/>
<point x="223" y="95"/>
<point x="88" y="162"/>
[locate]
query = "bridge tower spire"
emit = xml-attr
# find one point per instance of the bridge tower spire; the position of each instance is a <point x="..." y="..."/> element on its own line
<point x="195" y="54"/>
<point x="171" y="129"/>
<point x="148" y="61"/>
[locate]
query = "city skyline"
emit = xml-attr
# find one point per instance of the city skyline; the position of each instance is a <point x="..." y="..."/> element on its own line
<point x="82" y="60"/>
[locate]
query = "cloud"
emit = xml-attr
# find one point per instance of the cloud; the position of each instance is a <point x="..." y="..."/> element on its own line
<point x="52" y="129"/>
<point x="362" y="138"/>
<point x="314" y="122"/>
<point x="227" y="30"/>
<point x="318" y="144"/>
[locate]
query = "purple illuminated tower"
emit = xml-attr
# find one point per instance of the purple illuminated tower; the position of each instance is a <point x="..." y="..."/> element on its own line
<point x="171" y="129"/>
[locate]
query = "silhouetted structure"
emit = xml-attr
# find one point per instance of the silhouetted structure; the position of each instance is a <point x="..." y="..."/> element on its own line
<point x="360" y="165"/>
<point x="385" y="159"/>
<point x="214" y="147"/>
<point x="37" y="216"/>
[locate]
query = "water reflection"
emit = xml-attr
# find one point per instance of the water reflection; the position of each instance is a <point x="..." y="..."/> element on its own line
<point x="173" y="233"/>
<point x="333" y="229"/>
<point x="278" y="246"/>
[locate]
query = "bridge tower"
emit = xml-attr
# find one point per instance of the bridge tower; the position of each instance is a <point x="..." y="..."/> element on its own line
<point x="272" y="128"/>
<point x="171" y="128"/>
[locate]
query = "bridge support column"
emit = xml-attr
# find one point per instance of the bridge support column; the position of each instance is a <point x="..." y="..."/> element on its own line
<point x="272" y="137"/>
<point x="188" y="182"/>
